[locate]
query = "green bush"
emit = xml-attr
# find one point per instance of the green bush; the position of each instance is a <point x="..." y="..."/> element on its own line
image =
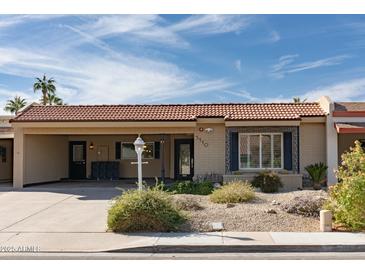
<point x="147" y="210"/>
<point x="317" y="173"/>
<point x="234" y="192"/>
<point x="267" y="181"/>
<point x="347" y="198"/>
<point x="189" y="187"/>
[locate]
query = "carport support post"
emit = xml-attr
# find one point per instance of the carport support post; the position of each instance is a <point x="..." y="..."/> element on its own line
<point x="18" y="170"/>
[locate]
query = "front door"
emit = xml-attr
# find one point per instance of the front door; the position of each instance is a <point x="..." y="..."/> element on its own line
<point x="184" y="159"/>
<point x="77" y="160"/>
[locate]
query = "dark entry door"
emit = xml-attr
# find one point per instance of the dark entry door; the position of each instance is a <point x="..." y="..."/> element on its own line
<point x="77" y="160"/>
<point x="184" y="159"/>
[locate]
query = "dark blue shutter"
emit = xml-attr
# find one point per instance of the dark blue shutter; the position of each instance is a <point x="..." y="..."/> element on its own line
<point x="118" y="151"/>
<point x="157" y="150"/>
<point x="234" y="151"/>
<point x="288" y="151"/>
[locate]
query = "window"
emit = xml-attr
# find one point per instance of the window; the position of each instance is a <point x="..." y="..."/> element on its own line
<point x="128" y="151"/>
<point x="3" y="154"/>
<point x="263" y="150"/>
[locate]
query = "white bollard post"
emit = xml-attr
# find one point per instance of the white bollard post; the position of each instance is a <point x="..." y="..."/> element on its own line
<point x="325" y="220"/>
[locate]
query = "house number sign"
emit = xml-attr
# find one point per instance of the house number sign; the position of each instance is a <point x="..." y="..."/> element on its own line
<point x="200" y="140"/>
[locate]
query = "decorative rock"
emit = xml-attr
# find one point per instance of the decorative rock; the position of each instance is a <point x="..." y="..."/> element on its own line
<point x="274" y="202"/>
<point x="217" y="185"/>
<point x="217" y="226"/>
<point x="271" y="211"/>
<point x="230" y="205"/>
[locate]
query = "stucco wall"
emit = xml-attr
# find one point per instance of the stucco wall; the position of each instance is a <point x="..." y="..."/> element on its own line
<point x="312" y="144"/>
<point x="127" y="170"/>
<point x="6" y="169"/>
<point x="345" y="141"/>
<point x="45" y="158"/>
<point x="209" y="149"/>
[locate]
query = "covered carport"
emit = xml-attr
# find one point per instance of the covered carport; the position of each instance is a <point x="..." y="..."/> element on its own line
<point x="45" y="151"/>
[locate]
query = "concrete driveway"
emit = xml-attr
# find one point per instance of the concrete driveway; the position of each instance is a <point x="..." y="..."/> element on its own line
<point x="55" y="209"/>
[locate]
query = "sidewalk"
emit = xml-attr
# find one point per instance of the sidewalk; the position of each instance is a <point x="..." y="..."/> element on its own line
<point x="209" y="242"/>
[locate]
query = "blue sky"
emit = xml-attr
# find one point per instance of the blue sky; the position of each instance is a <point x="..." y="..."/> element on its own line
<point x="111" y="59"/>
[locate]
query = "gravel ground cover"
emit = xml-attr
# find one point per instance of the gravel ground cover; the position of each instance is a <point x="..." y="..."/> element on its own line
<point x="251" y="216"/>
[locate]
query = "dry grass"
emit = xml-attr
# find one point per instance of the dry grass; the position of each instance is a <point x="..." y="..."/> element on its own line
<point x="235" y="192"/>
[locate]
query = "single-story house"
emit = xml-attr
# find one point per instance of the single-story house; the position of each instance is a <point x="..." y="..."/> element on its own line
<point x="183" y="141"/>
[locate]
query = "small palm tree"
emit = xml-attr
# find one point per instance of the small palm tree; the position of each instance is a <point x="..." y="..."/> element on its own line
<point x="297" y="100"/>
<point x="317" y="173"/>
<point x="16" y="104"/>
<point x="53" y="99"/>
<point x="46" y="86"/>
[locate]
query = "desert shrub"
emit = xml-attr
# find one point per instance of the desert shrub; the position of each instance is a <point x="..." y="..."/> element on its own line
<point x="147" y="210"/>
<point x="234" y="192"/>
<point x="267" y="181"/>
<point x="347" y="198"/>
<point x="317" y="173"/>
<point x="211" y="177"/>
<point x="186" y="202"/>
<point x="189" y="187"/>
<point x="308" y="206"/>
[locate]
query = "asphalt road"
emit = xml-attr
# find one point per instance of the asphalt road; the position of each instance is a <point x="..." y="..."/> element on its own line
<point x="185" y="256"/>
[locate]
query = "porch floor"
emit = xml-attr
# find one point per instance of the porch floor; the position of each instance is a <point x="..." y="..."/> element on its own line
<point x="123" y="183"/>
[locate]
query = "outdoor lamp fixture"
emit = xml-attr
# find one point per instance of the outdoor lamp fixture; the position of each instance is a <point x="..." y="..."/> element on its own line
<point x="209" y="130"/>
<point x="139" y="148"/>
<point x="91" y="146"/>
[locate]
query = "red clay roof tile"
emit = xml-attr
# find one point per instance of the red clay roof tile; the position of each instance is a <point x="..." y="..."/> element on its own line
<point x="188" y="112"/>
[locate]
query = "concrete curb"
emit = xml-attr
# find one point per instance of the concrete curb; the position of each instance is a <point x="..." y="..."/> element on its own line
<point x="239" y="248"/>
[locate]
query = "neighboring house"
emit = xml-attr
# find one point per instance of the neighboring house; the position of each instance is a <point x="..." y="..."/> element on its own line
<point x="6" y="149"/>
<point x="345" y="125"/>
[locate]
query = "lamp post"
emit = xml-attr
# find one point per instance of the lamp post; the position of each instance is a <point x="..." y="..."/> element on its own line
<point x="139" y="147"/>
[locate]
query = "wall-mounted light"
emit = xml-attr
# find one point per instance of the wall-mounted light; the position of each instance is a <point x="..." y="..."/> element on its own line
<point x="91" y="146"/>
<point x="209" y="130"/>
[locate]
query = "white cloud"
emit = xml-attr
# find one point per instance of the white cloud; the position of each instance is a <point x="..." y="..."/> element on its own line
<point x="105" y="75"/>
<point x="351" y="90"/>
<point x="153" y="28"/>
<point x="242" y="94"/>
<point x="274" y="36"/>
<point x="213" y="24"/>
<point x="145" y="27"/>
<point x="287" y="66"/>
<point x="115" y="79"/>
<point x="12" y="20"/>
<point x="237" y="65"/>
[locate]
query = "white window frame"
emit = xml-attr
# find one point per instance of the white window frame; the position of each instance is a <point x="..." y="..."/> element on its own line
<point x="260" y="150"/>
<point x="135" y="157"/>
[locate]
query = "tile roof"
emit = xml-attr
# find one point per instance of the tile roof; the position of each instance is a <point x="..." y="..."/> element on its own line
<point x="349" y="106"/>
<point x="350" y="127"/>
<point x="188" y="112"/>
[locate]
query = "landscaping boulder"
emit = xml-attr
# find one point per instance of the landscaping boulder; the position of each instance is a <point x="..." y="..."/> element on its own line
<point x="308" y="206"/>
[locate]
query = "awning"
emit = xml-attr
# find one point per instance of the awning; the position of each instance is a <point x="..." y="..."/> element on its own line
<point x="350" y="127"/>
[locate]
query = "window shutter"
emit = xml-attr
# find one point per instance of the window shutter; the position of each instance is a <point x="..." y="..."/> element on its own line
<point x="288" y="151"/>
<point x="118" y="149"/>
<point x="234" y="151"/>
<point x="157" y="150"/>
